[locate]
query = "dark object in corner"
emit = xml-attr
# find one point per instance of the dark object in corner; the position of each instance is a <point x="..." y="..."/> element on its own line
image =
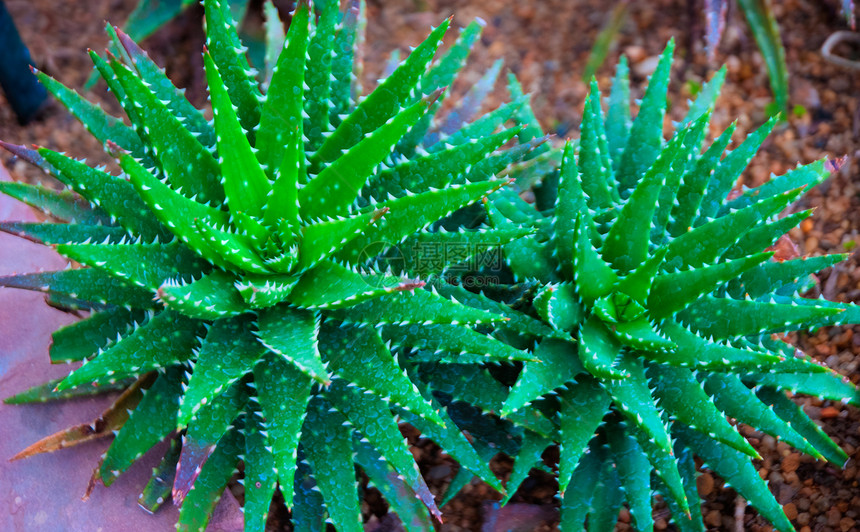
<point x="23" y="91"/>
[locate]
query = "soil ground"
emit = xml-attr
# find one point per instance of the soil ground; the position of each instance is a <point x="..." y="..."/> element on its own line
<point x="546" y="44"/>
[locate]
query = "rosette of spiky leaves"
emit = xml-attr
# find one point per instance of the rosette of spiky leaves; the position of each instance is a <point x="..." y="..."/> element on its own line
<point x="232" y="268"/>
<point x="653" y="305"/>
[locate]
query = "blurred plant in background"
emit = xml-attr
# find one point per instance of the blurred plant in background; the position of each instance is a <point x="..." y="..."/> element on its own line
<point x="765" y="29"/>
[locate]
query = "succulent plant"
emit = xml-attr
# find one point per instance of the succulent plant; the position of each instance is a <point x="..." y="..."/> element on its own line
<point x="232" y="272"/>
<point x="648" y="297"/>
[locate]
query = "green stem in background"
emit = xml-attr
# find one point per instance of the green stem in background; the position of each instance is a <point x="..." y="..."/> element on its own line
<point x="604" y="41"/>
<point x="759" y="15"/>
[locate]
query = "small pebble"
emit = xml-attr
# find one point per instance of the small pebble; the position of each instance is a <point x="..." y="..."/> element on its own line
<point x="705" y="484"/>
<point x="829" y="412"/>
<point x="790" y="463"/>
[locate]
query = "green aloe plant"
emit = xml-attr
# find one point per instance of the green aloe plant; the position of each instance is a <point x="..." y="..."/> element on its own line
<point x="648" y="297"/>
<point x="232" y="276"/>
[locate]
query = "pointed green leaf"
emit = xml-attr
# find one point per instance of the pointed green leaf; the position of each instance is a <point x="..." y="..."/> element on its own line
<point x="402" y="499"/>
<point x="646" y="133"/>
<point x="43" y="393"/>
<point x="282" y="206"/>
<point x="694" y="183"/>
<point x="618" y="114"/>
<point x="513" y="320"/>
<point x="583" y="406"/>
<point x="338" y="185"/>
<point x="443" y="73"/>
<point x="830" y="385"/>
<point x="765" y="30"/>
<point x="525" y="114"/>
<point x="164" y="202"/>
<point x="344" y="287"/>
<point x="453" y="339"/>
<point x="689" y="520"/>
<point x="284" y="393"/>
<point x="370" y="415"/>
<point x="322" y="238"/>
<point x="634" y="473"/>
<point x="163" y="88"/>
<point x="556" y="366"/>
<point x="384" y="102"/>
<point x="681" y="396"/>
<point x="807" y="176"/>
<point x="292" y="333"/>
<point x="222" y="42"/>
<point x="599" y="349"/>
<point x="469" y="106"/>
<point x="734" y="399"/>
<point x="739" y="472"/>
<point x="260" y="471"/>
<point x="722" y="233"/>
<point x="231" y="247"/>
<point x="765" y="235"/>
<point x="607" y="499"/>
<point x="327" y="440"/>
<point x="148" y="16"/>
<point x="264" y="291"/>
<point x="167" y="338"/>
<point x="152" y="420"/>
<point x="456" y="444"/>
<point x="570" y="202"/>
<point x="729" y="169"/>
<point x="706" y="97"/>
<point x="438" y="169"/>
<point x="210" y="297"/>
<point x="145" y="265"/>
<point x="211" y="422"/>
<point x="157" y="490"/>
<point x="626" y="244"/>
<point x="595" y="166"/>
<point x="529" y="456"/>
<point x="411" y="213"/>
<point x="228" y="352"/>
<point x="770" y="276"/>
<point x="101" y="125"/>
<point x="50" y="234"/>
<point x="723" y="318"/>
<point x="245" y="183"/>
<point x="214" y="475"/>
<point x="64" y="205"/>
<point x="578" y="497"/>
<point x="794" y="415"/>
<point x="308" y="511"/>
<point x="405" y="308"/>
<point x="672" y="292"/>
<point x="594" y="278"/>
<point x="284" y="104"/>
<point x="114" y="195"/>
<point x="633" y="396"/>
<point x="85" y="284"/>
<point x="683" y="161"/>
<point x="318" y="71"/>
<point x="189" y="166"/>
<point x="359" y="356"/>
<point x="346" y="65"/>
<point x="85" y="338"/>
<point x="481" y="128"/>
